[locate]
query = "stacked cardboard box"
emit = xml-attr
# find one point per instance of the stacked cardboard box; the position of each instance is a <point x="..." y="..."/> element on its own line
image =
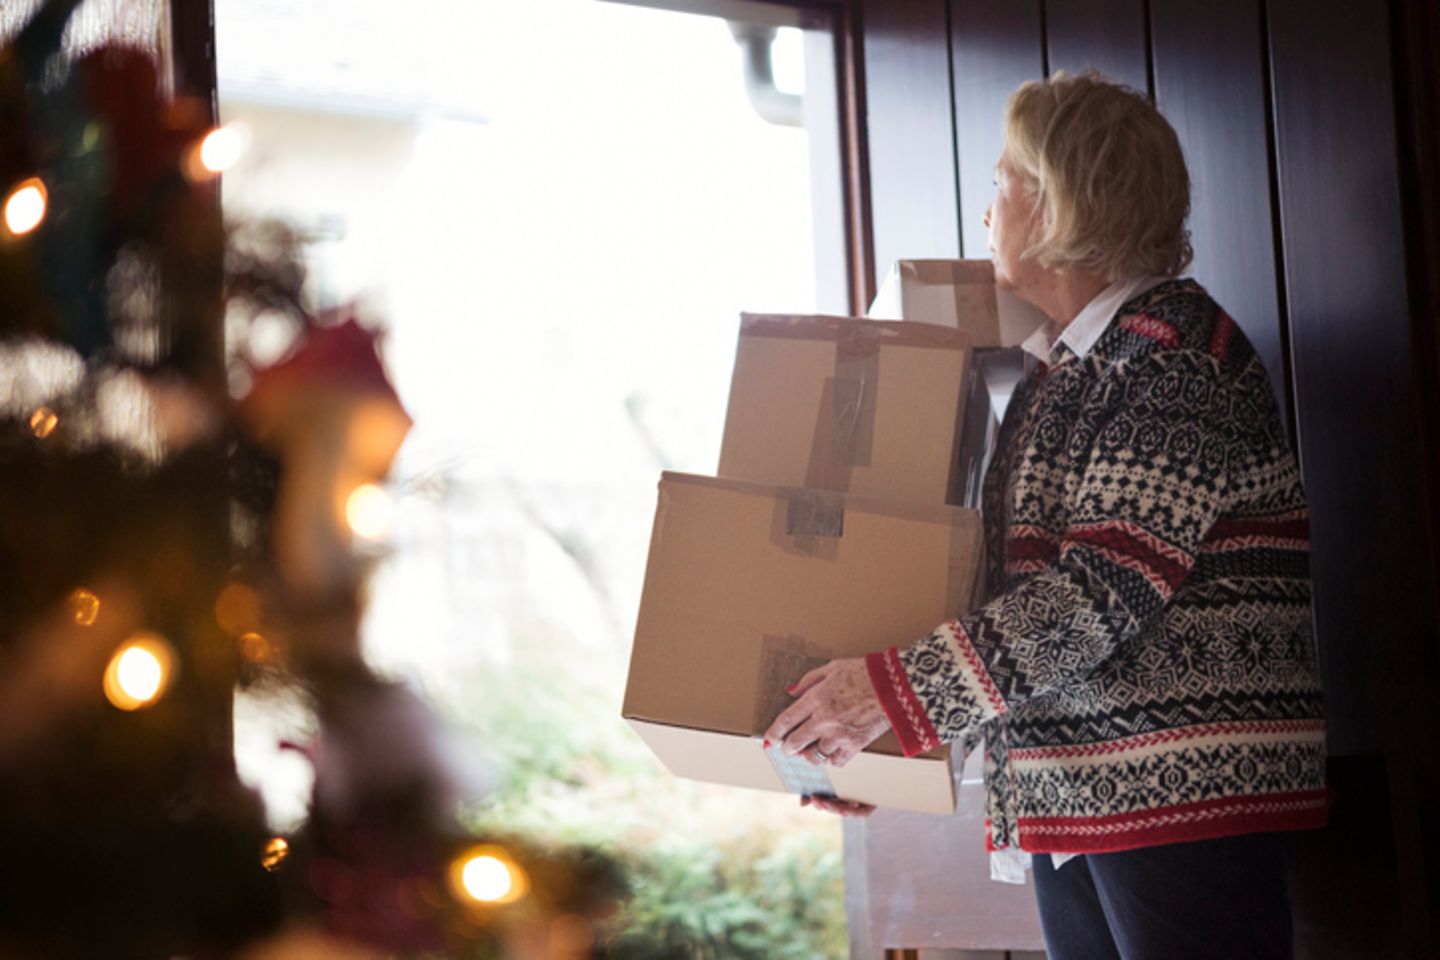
<point x="853" y="406"/>
<point x="960" y="294"/>
<point x="748" y="587"/>
<point x="829" y="533"/>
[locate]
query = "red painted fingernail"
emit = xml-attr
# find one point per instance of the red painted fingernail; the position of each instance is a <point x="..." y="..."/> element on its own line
<point x="767" y="744"/>
<point x="791" y="688"/>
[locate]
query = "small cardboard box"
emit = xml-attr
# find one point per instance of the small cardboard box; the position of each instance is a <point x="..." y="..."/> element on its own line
<point x="960" y="294"/>
<point x="748" y="587"/>
<point x="855" y="406"/>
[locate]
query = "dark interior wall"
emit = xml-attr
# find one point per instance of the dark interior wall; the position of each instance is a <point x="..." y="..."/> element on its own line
<point x="1103" y="35"/>
<point x="1210" y="81"/>
<point x="1338" y="180"/>
<point x="1301" y="121"/>
<point x="911" y="136"/>
<point x="994" y="47"/>
<point x="1338" y="183"/>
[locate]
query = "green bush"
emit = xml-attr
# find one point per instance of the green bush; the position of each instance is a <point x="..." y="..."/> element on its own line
<point x="693" y="900"/>
<point x="713" y="875"/>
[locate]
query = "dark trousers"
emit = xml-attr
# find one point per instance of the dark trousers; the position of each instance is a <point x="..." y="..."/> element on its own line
<point x="1220" y="898"/>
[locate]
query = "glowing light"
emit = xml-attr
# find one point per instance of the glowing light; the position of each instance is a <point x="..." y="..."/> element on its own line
<point x="84" y="606"/>
<point x="369" y="511"/>
<point x="273" y="854"/>
<point x="487" y="879"/>
<point x="255" y="648"/>
<point x="25" y="207"/>
<point x="223" y="147"/>
<point x="43" y="422"/>
<point x="139" y="672"/>
<point x="237" y="609"/>
<point x="487" y="875"/>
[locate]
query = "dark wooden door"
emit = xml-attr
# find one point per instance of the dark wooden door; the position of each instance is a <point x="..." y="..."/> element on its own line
<point x="1305" y="224"/>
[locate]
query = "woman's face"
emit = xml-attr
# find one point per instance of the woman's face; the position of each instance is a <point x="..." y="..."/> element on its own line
<point x="1014" y="223"/>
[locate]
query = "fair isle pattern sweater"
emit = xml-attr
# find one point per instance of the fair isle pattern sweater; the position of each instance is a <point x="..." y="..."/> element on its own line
<point x="1145" y="672"/>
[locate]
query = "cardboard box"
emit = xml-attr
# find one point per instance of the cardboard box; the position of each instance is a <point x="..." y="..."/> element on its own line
<point x="857" y="406"/>
<point x="748" y="587"/>
<point x="959" y="294"/>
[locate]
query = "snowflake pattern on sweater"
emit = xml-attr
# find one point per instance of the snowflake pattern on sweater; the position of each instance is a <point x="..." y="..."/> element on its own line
<point x="1145" y="672"/>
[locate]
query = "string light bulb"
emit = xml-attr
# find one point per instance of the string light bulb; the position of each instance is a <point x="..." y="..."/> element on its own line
<point x="139" y="672"/>
<point x="369" y="511"/>
<point x="255" y="648"/>
<point x="218" y="151"/>
<point x="43" y="422"/>
<point x="274" y="853"/>
<point x="84" y="606"/>
<point x="488" y="875"/>
<point x="25" y="206"/>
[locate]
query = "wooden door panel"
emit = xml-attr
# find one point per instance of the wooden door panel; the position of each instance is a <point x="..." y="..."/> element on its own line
<point x="1350" y="342"/>
<point x="994" y="48"/>
<point x="1210" y="85"/>
<point x="909" y="135"/>
<point x="1108" y="35"/>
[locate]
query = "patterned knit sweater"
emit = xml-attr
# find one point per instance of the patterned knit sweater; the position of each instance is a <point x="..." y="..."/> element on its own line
<point x="1145" y="672"/>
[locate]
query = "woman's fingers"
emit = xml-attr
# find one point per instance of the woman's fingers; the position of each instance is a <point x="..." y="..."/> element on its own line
<point x="802" y="737"/>
<point x="861" y="729"/>
<point x="799" y="687"/>
<point x="783" y="725"/>
<point x="797" y="712"/>
<point x="836" y="706"/>
<point x="843" y="808"/>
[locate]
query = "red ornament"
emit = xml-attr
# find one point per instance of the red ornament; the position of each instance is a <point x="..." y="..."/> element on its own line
<point x="333" y="417"/>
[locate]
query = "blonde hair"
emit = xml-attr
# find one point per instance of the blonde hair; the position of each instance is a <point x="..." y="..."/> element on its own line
<point x="1109" y="174"/>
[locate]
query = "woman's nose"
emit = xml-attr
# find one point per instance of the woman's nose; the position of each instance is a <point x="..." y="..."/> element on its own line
<point x="986" y="218"/>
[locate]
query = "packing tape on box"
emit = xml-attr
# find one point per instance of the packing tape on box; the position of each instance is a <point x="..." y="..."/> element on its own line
<point x="809" y="522"/>
<point x="844" y="436"/>
<point x="783" y="661"/>
<point x="800" y="776"/>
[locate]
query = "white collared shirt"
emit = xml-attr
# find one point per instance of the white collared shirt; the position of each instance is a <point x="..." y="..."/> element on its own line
<point x="1091" y="322"/>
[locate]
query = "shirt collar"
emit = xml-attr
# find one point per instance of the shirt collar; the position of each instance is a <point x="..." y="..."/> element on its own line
<point x="1091" y="322"/>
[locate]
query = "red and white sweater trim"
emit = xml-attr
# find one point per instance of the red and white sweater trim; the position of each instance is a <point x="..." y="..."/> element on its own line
<point x="902" y="708"/>
<point x="1182" y="823"/>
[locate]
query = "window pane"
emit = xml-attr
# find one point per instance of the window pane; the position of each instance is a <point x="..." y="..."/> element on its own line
<point x="558" y="211"/>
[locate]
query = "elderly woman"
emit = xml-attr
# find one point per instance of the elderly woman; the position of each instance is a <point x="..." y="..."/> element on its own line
<point x="1143" y="674"/>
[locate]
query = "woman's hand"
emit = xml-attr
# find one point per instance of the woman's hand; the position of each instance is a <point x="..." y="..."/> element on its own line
<point x="844" y="808"/>
<point x="835" y="716"/>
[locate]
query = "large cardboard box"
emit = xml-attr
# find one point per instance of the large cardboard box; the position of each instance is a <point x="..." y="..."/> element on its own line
<point x="850" y="405"/>
<point x="748" y="587"/>
<point x="960" y="294"/>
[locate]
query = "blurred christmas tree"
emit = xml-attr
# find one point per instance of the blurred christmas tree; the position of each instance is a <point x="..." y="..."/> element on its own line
<point x="162" y="541"/>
